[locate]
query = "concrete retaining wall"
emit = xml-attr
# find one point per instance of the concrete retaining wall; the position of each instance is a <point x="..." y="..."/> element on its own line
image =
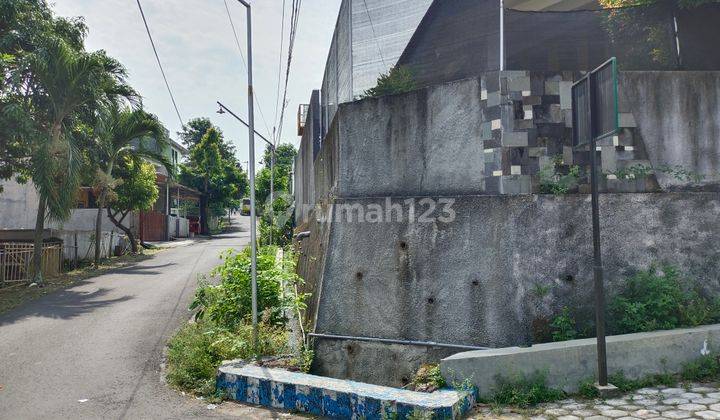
<point x="474" y="280"/>
<point x="565" y="364"/>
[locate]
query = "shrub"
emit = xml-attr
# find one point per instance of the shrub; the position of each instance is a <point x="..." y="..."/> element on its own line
<point x="397" y="80"/>
<point x="704" y="368"/>
<point x="554" y="182"/>
<point x="229" y="303"/>
<point x="563" y="326"/>
<point x="525" y="391"/>
<point x="653" y="300"/>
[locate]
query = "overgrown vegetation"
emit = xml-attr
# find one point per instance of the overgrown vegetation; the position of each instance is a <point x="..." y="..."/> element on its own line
<point x="428" y="378"/>
<point x="563" y="326"/>
<point x="656" y="300"/>
<point x="643" y="171"/>
<point x="554" y="181"/>
<point x="222" y="329"/>
<point x="398" y="80"/>
<point x="524" y="391"/>
<point x="653" y="299"/>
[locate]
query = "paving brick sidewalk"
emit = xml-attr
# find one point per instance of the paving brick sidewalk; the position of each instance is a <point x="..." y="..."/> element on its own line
<point x="696" y="401"/>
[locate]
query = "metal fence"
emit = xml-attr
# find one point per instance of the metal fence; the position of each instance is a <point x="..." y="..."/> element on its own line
<point x="16" y="261"/>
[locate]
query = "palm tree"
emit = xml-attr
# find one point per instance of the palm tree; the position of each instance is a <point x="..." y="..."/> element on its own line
<point x="123" y="132"/>
<point x="65" y="83"/>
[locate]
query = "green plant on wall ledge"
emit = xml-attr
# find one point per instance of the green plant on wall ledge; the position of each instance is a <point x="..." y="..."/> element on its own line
<point x="643" y="171"/>
<point x="397" y="80"/>
<point x="554" y="182"/>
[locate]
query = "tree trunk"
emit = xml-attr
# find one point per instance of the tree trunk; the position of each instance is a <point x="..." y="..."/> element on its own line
<point x="38" y="243"/>
<point x="98" y="233"/>
<point x="128" y="232"/>
<point x="203" y="210"/>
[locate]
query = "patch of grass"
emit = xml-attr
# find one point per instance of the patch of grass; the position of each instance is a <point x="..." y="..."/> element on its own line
<point x="702" y="369"/>
<point x="525" y="391"/>
<point x="14" y="295"/>
<point x="197" y="349"/>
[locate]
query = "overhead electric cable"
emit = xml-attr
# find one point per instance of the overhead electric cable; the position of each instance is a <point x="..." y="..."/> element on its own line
<point x="162" y="71"/>
<point x="280" y="62"/>
<point x="291" y="43"/>
<point x="242" y="57"/>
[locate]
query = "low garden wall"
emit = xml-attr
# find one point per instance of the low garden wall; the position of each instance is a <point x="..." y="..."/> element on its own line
<point x="566" y="364"/>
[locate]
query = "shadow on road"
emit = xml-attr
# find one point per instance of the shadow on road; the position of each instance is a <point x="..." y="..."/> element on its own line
<point x="142" y="269"/>
<point x="63" y="304"/>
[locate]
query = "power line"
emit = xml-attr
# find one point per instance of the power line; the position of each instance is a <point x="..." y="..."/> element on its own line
<point x="280" y="61"/>
<point x="291" y="43"/>
<point x="157" y="57"/>
<point x="242" y="57"/>
<point x="372" y="28"/>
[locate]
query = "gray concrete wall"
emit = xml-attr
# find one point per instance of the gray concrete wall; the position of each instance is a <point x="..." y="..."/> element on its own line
<point x="678" y="117"/>
<point x="422" y="142"/>
<point x="18" y="205"/>
<point x="472" y="281"/>
<point x="566" y="364"/>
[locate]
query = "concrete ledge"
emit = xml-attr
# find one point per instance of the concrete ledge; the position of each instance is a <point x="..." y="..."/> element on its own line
<point x="335" y="398"/>
<point x="567" y="363"/>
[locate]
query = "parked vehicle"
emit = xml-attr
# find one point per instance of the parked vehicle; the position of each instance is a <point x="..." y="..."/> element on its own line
<point x="245" y="209"/>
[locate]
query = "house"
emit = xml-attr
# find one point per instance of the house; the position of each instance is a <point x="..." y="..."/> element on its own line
<point x="167" y="219"/>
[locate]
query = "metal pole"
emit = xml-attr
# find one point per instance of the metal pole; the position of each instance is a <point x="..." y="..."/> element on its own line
<point x="251" y="135"/>
<point x="597" y="257"/>
<point x="502" y="35"/>
<point x="272" y="192"/>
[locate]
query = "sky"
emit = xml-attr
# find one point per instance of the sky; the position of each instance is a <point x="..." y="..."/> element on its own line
<point x="198" y="51"/>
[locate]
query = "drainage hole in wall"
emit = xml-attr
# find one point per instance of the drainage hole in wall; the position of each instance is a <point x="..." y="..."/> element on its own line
<point x="403" y="244"/>
<point x="475" y="282"/>
<point x="431" y="300"/>
<point x="359" y="275"/>
<point x="567" y="277"/>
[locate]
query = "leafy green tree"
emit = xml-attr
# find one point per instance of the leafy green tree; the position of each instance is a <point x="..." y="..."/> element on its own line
<point x="64" y="84"/>
<point x="122" y="132"/>
<point x="284" y="158"/>
<point x="206" y="163"/>
<point x="193" y="132"/>
<point x="24" y="26"/>
<point x="213" y="169"/>
<point x="135" y="190"/>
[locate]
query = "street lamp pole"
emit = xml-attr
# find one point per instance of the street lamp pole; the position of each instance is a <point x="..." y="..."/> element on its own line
<point x="251" y="170"/>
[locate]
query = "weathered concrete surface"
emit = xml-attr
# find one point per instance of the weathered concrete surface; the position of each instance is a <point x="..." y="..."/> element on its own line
<point x="334" y="398"/>
<point x="566" y="364"/>
<point x="474" y="280"/>
<point x="420" y="143"/>
<point x="18" y="205"/>
<point x="678" y="115"/>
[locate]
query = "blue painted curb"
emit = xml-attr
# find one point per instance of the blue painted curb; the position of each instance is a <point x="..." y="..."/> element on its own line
<point x="336" y="398"/>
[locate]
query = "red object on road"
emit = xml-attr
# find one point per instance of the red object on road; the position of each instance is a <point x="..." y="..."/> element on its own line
<point x="194" y="224"/>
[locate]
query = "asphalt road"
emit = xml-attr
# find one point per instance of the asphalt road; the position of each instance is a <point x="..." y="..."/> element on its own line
<point x="95" y="350"/>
